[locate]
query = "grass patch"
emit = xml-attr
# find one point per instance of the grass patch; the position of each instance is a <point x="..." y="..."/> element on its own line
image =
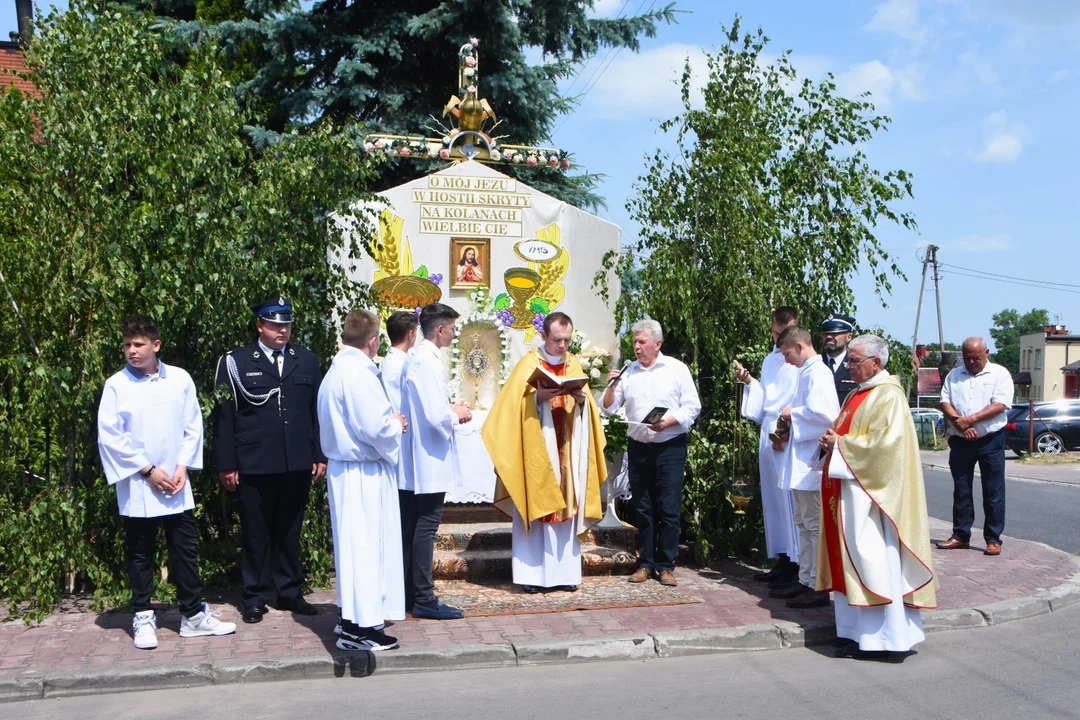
<point x="1070" y="458"/>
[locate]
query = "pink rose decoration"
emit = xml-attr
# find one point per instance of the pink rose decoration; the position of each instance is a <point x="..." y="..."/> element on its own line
<point x="474" y="42"/>
<point x="471" y="88"/>
<point x="553" y="161"/>
<point x="566" y="164"/>
<point x="508" y="154"/>
<point x="531" y="162"/>
<point x="470" y="61"/>
<point x="405" y="152"/>
<point x="370" y="147"/>
<point x="380" y="144"/>
<point x="444" y="154"/>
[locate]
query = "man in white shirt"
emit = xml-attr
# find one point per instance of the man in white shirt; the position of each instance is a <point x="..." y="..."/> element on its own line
<point x="975" y="399"/>
<point x="149" y="434"/>
<point x="762" y="403"/>
<point x="401" y="329"/>
<point x="811" y="414"/>
<point x="429" y="459"/>
<point x="360" y="435"/>
<point x="657" y="452"/>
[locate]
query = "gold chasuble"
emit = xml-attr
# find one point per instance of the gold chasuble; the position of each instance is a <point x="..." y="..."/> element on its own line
<point x="878" y="444"/>
<point x="549" y="459"/>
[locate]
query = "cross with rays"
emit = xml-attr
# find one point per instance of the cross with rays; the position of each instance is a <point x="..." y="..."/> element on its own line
<point x="467" y="133"/>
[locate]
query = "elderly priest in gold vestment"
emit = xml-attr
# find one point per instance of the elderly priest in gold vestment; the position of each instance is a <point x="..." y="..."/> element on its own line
<point x="547" y="444"/>
<point x="874" y="547"/>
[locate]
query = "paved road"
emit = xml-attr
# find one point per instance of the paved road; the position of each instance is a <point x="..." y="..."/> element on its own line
<point x="1024" y="669"/>
<point x="1044" y="512"/>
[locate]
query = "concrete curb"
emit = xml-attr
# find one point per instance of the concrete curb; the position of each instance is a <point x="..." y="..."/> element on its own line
<point x="680" y="643"/>
<point x="1010" y="476"/>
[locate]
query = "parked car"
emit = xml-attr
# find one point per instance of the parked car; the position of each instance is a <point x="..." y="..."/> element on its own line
<point x="924" y="418"/>
<point x="1057" y="427"/>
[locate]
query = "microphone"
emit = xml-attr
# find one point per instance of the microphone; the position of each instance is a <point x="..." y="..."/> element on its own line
<point x="617" y="378"/>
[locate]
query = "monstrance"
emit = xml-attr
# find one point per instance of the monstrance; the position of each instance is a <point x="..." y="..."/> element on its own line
<point x="478" y="365"/>
<point x="741" y="492"/>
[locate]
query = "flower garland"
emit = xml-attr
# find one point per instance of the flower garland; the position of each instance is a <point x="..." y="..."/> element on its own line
<point x="482" y="313"/>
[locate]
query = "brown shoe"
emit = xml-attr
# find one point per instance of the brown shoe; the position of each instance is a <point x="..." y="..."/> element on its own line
<point x="667" y="577"/>
<point x="640" y="575"/>
<point x="992" y="549"/>
<point x="953" y="544"/>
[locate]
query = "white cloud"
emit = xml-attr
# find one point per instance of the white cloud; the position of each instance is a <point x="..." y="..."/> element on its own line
<point x="645" y="82"/>
<point x="979" y="243"/>
<point x="972" y="65"/>
<point x="1060" y="76"/>
<point x="900" y="18"/>
<point x="1004" y="140"/>
<point x="881" y="81"/>
<point x="608" y="8"/>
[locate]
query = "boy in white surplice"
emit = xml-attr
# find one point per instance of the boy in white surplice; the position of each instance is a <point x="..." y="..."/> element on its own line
<point x="149" y="435"/>
<point x="360" y="433"/>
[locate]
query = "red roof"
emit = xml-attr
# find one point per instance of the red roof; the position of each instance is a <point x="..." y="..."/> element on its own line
<point x="11" y="60"/>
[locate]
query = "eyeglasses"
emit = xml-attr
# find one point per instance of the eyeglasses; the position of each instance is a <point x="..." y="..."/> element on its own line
<point x="850" y="364"/>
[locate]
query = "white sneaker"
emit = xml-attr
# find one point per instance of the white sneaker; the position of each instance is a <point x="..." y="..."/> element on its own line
<point x="144" y="628"/>
<point x="205" y="623"/>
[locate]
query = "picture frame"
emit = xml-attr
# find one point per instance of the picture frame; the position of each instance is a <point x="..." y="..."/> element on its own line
<point x="470" y="270"/>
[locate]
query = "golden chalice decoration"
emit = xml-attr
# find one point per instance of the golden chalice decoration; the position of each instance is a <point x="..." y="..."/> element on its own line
<point x="521" y="285"/>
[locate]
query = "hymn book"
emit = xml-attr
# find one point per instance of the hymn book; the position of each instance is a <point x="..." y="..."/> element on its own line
<point x="541" y="378"/>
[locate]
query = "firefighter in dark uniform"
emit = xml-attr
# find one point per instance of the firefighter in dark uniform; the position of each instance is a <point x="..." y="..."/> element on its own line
<point x="266" y="436"/>
<point x="835" y="335"/>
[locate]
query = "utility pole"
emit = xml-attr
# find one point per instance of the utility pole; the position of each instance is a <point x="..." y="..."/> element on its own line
<point x="932" y="256"/>
<point x="918" y="310"/>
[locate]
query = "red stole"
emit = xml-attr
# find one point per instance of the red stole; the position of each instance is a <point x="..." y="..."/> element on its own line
<point x="830" y="499"/>
<point x="560" y="417"/>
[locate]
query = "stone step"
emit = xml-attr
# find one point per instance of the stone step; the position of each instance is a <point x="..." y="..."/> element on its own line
<point x="478" y="565"/>
<point x="482" y="550"/>
<point x="455" y="537"/>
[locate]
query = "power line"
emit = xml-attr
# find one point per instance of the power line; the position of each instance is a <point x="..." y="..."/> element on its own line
<point x="1016" y="282"/>
<point x="602" y="68"/>
<point x="577" y="77"/>
<point x="1038" y="283"/>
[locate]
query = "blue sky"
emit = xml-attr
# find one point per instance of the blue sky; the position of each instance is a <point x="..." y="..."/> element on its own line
<point x="984" y="99"/>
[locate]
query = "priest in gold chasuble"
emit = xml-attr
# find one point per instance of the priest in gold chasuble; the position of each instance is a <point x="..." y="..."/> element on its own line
<point x="874" y="548"/>
<point x="547" y="444"/>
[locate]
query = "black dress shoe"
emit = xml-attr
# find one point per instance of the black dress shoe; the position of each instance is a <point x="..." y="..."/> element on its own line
<point x="299" y="606"/>
<point x="788" y="576"/>
<point x="786" y="593"/>
<point x="566" y="588"/>
<point x="531" y="589"/>
<point x="254" y="614"/>
<point x="809" y="598"/>
<point x="839" y="642"/>
<point x="852" y="651"/>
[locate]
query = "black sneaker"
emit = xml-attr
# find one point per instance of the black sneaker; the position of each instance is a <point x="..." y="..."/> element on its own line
<point x="368" y="639"/>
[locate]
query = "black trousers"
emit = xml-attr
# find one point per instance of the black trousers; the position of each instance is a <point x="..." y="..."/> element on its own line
<point x="420" y="518"/>
<point x="657" y="472"/>
<point x="271" y="519"/>
<point x="989" y="453"/>
<point x="140" y="545"/>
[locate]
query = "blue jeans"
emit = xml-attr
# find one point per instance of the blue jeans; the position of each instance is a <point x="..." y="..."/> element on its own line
<point x="657" y="471"/>
<point x="989" y="453"/>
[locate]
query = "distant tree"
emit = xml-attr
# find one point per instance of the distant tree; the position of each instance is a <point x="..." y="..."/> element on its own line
<point x="1009" y="327"/>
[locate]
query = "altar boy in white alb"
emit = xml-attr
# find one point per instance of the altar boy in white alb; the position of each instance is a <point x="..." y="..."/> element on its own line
<point x="811" y="414"/>
<point x="149" y="435"/>
<point x="360" y="433"/>
<point x="762" y="403"/>
<point x="430" y="466"/>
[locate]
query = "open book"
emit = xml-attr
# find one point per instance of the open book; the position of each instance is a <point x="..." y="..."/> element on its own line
<point x="655" y="415"/>
<point x="541" y="378"/>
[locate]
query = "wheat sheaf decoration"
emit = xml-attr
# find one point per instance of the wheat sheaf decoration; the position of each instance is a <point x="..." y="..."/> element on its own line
<point x="391" y="255"/>
<point x="550" y="291"/>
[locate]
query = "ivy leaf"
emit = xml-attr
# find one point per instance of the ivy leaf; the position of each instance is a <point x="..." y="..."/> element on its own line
<point x="502" y="302"/>
<point x="540" y="305"/>
<point x="421" y="271"/>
